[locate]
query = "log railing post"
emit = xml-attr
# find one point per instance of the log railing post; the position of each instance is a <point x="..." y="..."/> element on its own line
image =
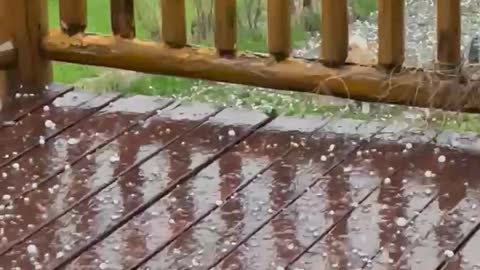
<point x="174" y="26"/>
<point x="29" y="22"/>
<point x="5" y="42"/>
<point x="122" y="18"/>
<point x="448" y="33"/>
<point x="73" y="16"/>
<point x="279" y="43"/>
<point x="225" y="26"/>
<point x="334" y="32"/>
<point x="391" y="33"/>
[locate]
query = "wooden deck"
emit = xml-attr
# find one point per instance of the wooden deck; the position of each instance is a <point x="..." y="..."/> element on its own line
<point x="107" y="182"/>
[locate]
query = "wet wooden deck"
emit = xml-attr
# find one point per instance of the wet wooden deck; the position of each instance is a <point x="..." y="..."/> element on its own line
<point x="106" y="182"/>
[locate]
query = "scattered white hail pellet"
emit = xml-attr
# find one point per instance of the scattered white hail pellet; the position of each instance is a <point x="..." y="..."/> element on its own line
<point x="331" y="213"/>
<point x="404" y="181"/>
<point x="387" y="181"/>
<point x="34" y="185"/>
<point x="402" y="222"/>
<point x="26" y="199"/>
<point x="442" y="159"/>
<point x="16" y="166"/>
<point x="294" y="144"/>
<point x="280" y="268"/>
<point x="231" y="133"/>
<point x="59" y="255"/>
<point x="429" y="174"/>
<point x="168" y="130"/>
<point x="331" y="147"/>
<point x="18" y="95"/>
<point x="46" y="108"/>
<point x="4" y="175"/>
<point x="474" y="206"/>
<point x="428" y="191"/>
<point x="323" y="158"/>
<point x="50" y="124"/>
<point x="73" y="141"/>
<point x="41" y="140"/>
<point x="409" y="146"/>
<point x="6" y="197"/>
<point x="448" y="253"/>
<point x="218" y="202"/>
<point x="32" y="250"/>
<point x="114" y="158"/>
<point x="103" y="266"/>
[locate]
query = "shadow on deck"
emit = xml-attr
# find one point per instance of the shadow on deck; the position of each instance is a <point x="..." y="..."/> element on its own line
<point x="105" y="182"/>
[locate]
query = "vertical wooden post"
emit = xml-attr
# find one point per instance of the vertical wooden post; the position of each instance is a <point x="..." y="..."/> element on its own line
<point x="448" y="32"/>
<point x="279" y="40"/>
<point x="334" y="32"/>
<point x="122" y="18"/>
<point x="73" y="16"/>
<point x="391" y="33"/>
<point x="174" y="29"/>
<point x="5" y="40"/>
<point x="30" y="22"/>
<point x="225" y="26"/>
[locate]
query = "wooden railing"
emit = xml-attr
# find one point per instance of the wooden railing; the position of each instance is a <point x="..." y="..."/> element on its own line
<point x="35" y="45"/>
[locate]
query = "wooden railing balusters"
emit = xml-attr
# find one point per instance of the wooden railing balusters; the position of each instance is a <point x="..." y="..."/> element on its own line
<point x="33" y="71"/>
<point x="122" y="18"/>
<point x="334" y="32"/>
<point x="174" y="29"/>
<point x="448" y="33"/>
<point x="391" y="33"/>
<point x="225" y="12"/>
<point x="73" y="16"/>
<point x="279" y="32"/>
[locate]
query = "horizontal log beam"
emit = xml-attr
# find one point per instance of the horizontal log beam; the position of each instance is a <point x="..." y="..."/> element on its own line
<point x="408" y="87"/>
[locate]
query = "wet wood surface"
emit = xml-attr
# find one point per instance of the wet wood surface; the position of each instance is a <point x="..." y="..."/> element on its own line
<point x="95" y="181"/>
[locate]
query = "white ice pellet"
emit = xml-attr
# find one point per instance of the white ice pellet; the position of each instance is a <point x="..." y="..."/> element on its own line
<point x="387" y="181"/>
<point x="16" y="166"/>
<point x="4" y="175"/>
<point x="428" y="174"/>
<point x="6" y="197"/>
<point x="59" y="255"/>
<point x="409" y="146"/>
<point x="448" y="253"/>
<point x="331" y="147"/>
<point x="219" y="202"/>
<point x="428" y="191"/>
<point x="401" y="222"/>
<point x="46" y="108"/>
<point x="232" y="133"/>
<point x="41" y="140"/>
<point x="442" y="159"/>
<point x="73" y="141"/>
<point x="323" y="158"/>
<point x="114" y="158"/>
<point x="50" y="124"/>
<point x="32" y="250"/>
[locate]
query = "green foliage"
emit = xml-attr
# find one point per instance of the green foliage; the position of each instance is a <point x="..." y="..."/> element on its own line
<point x="363" y="8"/>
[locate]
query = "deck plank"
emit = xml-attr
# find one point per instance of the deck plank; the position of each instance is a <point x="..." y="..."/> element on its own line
<point x="64" y="112"/>
<point x="20" y="106"/>
<point x="97" y="170"/>
<point x="196" y="198"/>
<point x="68" y="147"/>
<point x="282" y="183"/>
<point x="445" y="221"/>
<point x="84" y="233"/>
<point x="467" y="257"/>
<point x="286" y="235"/>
